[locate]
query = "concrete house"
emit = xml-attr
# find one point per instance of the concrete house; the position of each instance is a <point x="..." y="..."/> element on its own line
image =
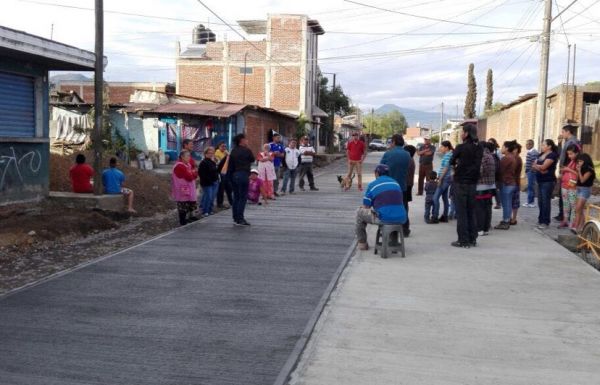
<point x="25" y="60"/>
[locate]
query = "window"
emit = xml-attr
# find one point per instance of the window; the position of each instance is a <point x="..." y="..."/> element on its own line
<point x="246" y="70"/>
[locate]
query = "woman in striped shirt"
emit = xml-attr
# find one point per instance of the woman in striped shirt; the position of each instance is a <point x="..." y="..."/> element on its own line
<point x="444" y="182"/>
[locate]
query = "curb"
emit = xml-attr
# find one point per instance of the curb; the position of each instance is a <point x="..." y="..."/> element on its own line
<point x="294" y="357"/>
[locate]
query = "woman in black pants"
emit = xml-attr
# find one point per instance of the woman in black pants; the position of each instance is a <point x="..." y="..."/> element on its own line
<point x="486" y="189"/>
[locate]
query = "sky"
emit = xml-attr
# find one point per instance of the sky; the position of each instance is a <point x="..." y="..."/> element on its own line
<point x="382" y="51"/>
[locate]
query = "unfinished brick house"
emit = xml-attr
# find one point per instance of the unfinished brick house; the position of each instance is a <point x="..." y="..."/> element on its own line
<point x="278" y="72"/>
<point x="118" y="92"/>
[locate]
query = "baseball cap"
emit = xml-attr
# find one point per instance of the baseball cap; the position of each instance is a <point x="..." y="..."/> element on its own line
<point x="382" y="169"/>
<point x="254" y="171"/>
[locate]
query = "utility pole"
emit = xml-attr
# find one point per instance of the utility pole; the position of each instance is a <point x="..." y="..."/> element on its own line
<point x="573" y="82"/>
<point x="566" y="94"/>
<point x="98" y="95"/>
<point x="372" y="123"/>
<point x="245" y="71"/>
<point x="543" y="84"/>
<point x="441" y="123"/>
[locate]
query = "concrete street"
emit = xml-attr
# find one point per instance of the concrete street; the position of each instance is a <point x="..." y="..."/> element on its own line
<point x="518" y="309"/>
<point x="209" y="303"/>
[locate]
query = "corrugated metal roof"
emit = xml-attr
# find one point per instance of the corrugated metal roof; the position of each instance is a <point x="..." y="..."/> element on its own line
<point x="215" y="110"/>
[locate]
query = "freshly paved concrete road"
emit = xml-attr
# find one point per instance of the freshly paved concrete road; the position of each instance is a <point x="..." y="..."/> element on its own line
<point x="518" y="309"/>
<point x="207" y="304"/>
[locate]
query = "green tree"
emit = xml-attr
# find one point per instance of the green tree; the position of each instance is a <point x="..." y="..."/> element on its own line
<point x="469" y="110"/>
<point x="489" y="96"/>
<point x="331" y="100"/>
<point x="386" y="125"/>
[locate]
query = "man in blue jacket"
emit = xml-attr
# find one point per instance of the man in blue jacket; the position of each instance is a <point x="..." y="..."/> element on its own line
<point x="398" y="160"/>
<point x="382" y="202"/>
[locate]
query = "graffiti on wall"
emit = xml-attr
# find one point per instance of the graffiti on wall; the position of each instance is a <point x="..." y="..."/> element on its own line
<point x="21" y="166"/>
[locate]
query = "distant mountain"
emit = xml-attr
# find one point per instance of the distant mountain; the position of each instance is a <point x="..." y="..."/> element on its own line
<point x="69" y="77"/>
<point x="412" y="116"/>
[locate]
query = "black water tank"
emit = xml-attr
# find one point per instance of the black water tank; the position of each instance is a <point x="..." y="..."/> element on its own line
<point x="203" y="35"/>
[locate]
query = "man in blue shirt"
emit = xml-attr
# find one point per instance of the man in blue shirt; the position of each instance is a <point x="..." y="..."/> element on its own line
<point x="112" y="179"/>
<point x="279" y="150"/>
<point x="398" y="160"/>
<point x="383" y="202"/>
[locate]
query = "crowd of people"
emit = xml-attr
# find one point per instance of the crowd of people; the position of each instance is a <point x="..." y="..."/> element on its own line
<point x="475" y="173"/>
<point x="240" y="176"/>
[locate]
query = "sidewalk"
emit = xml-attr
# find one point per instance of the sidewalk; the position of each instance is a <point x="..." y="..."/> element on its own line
<point x="517" y="309"/>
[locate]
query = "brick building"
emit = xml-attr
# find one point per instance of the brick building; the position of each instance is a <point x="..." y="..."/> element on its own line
<point x="118" y="92"/>
<point x="278" y="72"/>
<point x="578" y="104"/>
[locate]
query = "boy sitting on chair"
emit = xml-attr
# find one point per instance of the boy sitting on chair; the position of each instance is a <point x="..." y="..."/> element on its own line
<point x="382" y="203"/>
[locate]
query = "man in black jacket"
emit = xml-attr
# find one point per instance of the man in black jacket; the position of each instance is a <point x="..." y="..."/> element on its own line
<point x="240" y="161"/>
<point x="466" y="161"/>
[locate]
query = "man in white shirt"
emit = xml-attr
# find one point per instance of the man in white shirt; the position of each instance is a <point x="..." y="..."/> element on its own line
<point x="291" y="166"/>
<point x="306" y="161"/>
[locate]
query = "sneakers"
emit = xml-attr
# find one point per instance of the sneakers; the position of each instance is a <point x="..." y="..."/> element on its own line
<point x="433" y="221"/>
<point x="243" y="222"/>
<point x="282" y="193"/>
<point x="497" y="207"/>
<point x="461" y="244"/>
<point x="542" y="226"/>
<point x="502" y="226"/>
<point x="483" y="233"/>
<point x="529" y="205"/>
<point x="558" y="218"/>
<point x="363" y="246"/>
<point x="314" y="189"/>
<point x="443" y="219"/>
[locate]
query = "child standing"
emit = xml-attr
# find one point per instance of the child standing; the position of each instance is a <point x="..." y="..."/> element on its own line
<point x="430" y="187"/>
<point x="266" y="169"/>
<point x="209" y="181"/>
<point x="568" y="186"/>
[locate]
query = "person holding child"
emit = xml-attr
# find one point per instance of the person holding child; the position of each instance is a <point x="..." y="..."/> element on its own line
<point x="266" y="169"/>
<point x="568" y="186"/>
<point x="585" y="180"/>
<point x="183" y="187"/>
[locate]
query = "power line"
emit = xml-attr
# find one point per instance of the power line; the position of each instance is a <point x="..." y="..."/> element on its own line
<point x="430" y="18"/>
<point x="582" y="11"/>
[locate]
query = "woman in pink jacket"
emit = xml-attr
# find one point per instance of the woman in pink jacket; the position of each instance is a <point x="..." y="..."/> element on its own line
<point x="183" y="187"/>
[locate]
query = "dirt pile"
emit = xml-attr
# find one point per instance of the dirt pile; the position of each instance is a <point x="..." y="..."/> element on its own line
<point x="151" y="190"/>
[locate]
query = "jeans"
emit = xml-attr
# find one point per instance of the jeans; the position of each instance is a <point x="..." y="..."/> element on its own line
<point x="289" y="176"/>
<point x="224" y="188"/>
<point x="277" y="177"/>
<point x="239" y="181"/>
<point x="428" y="211"/>
<point x="306" y="169"/>
<point x="464" y="200"/>
<point x="531" y="184"/>
<point x="507" y="196"/>
<point x="545" y="190"/>
<point x="441" y="191"/>
<point x="208" y="197"/>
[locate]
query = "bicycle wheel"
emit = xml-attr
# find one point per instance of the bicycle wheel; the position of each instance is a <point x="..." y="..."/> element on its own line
<point x="591" y="251"/>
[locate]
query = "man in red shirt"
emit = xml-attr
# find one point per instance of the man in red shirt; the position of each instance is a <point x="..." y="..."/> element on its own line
<point x="356" y="152"/>
<point x="81" y="175"/>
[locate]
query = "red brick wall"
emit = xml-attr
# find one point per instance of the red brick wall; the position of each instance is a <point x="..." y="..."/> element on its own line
<point x="259" y="124"/>
<point x="117" y="93"/>
<point x="286" y="38"/>
<point x="255" y="86"/>
<point x="285" y="88"/>
<point x="214" y="50"/>
<point x="238" y="49"/>
<point x="201" y="81"/>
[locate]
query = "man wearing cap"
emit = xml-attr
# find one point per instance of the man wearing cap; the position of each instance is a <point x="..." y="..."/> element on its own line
<point x="382" y="202"/>
<point x="425" y="152"/>
<point x="278" y="150"/>
<point x="356" y="151"/>
<point x="306" y="161"/>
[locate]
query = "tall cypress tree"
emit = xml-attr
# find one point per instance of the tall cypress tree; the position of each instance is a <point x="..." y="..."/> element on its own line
<point x="489" y="97"/>
<point x="471" y="94"/>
